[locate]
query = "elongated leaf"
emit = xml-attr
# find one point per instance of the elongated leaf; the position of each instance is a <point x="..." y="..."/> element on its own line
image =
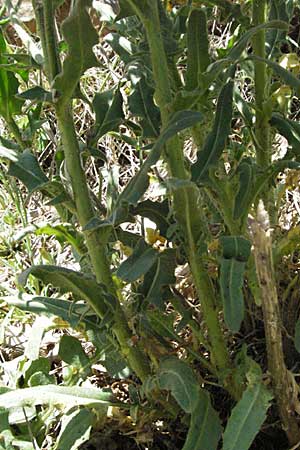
<point x="36" y="94"/>
<point x="278" y="11"/>
<point x="141" y="260"/>
<point x="139" y="183"/>
<point x="81" y="285"/>
<point x="236" y="52"/>
<point x="290" y="129"/>
<point x="74" y="314"/>
<point x="141" y="103"/>
<point x="197" y="48"/>
<point x="247" y="417"/>
<point x="9" y="104"/>
<point x="236" y="247"/>
<point x="80" y="36"/>
<point x="297" y="336"/>
<point x="161" y="276"/>
<point x="205" y="427"/>
<point x="231" y="283"/>
<point x="75" y="429"/>
<point x="284" y="74"/>
<point x="5" y="432"/>
<point x="176" y="376"/>
<point x="216" y="140"/>
<point x="246" y="173"/>
<point x="55" y="395"/>
<point x="27" y="169"/>
<point x="109" y="112"/>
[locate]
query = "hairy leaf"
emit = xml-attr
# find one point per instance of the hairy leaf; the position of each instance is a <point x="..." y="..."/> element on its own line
<point x="176" y="376"/>
<point x="216" y="140"/>
<point x="290" y="129"/>
<point x="246" y="173"/>
<point x="75" y="314"/>
<point x="141" y="260"/>
<point x="247" y="417"/>
<point x="26" y="168"/>
<point x="141" y="103"/>
<point x="75" y="429"/>
<point x="55" y="395"/>
<point x="139" y="183"/>
<point x="236" y="247"/>
<point x="81" y="285"/>
<point x="109" y="112"/>
<point x="80" y="36"/>
<point x="284" y="74"/>
<point x="231" y="284"/>
<point x="205" y="427"/>
<point x="71" y="352"/>
<point x="198" y="58"/>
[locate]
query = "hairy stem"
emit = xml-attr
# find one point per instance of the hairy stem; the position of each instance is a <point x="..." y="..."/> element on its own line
<point x="96" y="248"/>
<point x="285" y="388"/>
<point x="186" y="205"/>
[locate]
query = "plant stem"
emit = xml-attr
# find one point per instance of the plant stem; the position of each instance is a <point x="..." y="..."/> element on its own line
<point x="137" y="360"/>
<point x="187" y="210"/>
<point x="285" y="388"/>
<point x="96" y="247"/>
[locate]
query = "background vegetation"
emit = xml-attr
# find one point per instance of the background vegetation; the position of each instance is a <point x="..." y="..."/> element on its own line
<point x="150" y="233"/>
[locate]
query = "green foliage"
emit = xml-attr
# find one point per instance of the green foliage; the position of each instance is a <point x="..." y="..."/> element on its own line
<point x="160" y="304"/>
<point x="247" y="417"/>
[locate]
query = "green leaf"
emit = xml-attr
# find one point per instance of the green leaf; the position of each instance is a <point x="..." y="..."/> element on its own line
<point x="81" y="285"/>
<point x="290" y="129"/>
<point x="71" y="352"/>
<point x="216" y="140"/>
<point x="297" y="336"/>
<point x="284" y="74"/>
<point x="36" y="94"/>
<point x="247" y="418"/>
<point x="75" y="429"/>
<point x="122" y="46"/>
<point x="236" y="247"/>
<point x="6" y="436"/>
<point x="157" y="212"/>
<point x="236" y="52"/>
<point x="41" y="365"/>
<point x="139" y="183"/>
<point x="278" y="11"/>
<point x="205" y="427"/>
<point x="198" y="58"/>
<point x="141" y="103"/>
<point x="109" y="112"/>
<point x="55" y="395"/>
<point x="26" y="168"/>
<point x="161" y="276"/>
<point x="231" y="284"/>
<point x="81" y="36"/>
<point x="75" y="314"/>
<point x="246" y="174"/>
<point x="141" y="260"/>
<point x="9" y="104"/>
<point x="176" y="376"/>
